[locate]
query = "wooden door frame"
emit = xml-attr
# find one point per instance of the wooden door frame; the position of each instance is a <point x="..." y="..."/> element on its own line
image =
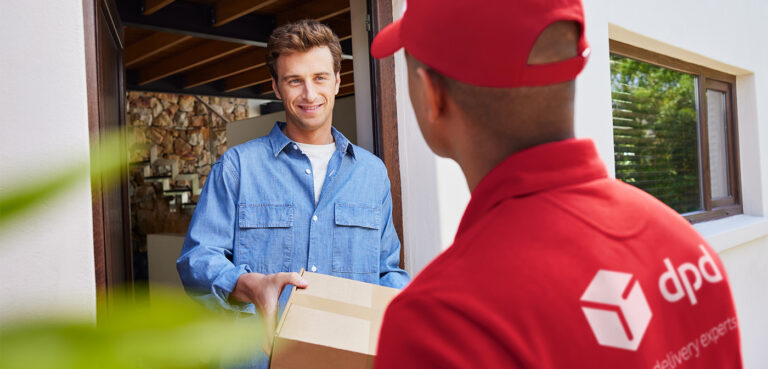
<point x="101" y="243"/>
<point x="384" y="104"/>
<point x="92" y="88"/>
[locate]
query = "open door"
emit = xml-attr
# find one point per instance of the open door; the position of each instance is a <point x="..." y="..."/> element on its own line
<point x="106" y="115"/>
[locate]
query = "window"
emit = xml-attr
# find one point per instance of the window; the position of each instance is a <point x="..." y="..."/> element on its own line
<point x="674" y="132"/>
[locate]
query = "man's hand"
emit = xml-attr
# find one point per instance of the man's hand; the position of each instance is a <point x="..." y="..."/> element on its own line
<point x="263" y="291"/>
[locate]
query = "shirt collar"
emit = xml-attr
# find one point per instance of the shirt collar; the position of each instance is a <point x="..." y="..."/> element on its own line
<point x="279" y="140"/>
<point x="533" y="170"/>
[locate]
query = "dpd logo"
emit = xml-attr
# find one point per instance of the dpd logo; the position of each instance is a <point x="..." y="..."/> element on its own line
<point x="616" y="309"/>
<point x="691" y="277"/>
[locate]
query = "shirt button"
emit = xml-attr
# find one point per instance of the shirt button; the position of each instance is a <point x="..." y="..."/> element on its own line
<point x="314" y="218"/>
<point x="314" y="269"/>
<point x="295" y="147"/>
<point x="308" y="171"/>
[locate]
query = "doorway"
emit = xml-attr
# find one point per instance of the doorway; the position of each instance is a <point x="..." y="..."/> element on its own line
<point x="190" y="75"/>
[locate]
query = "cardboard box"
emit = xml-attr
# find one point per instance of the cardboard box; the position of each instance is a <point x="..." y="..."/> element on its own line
<point x="333" y="323"/>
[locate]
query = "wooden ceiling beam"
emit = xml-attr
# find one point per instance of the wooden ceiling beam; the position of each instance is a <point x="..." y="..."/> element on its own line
<point x="341" y="25"/>
<point x="348" y="79"/>
<point x="151" y="46"/>
<point x="345" y="91"/>
<point x="206" y="53"/>
<point x="229" y="10"/>
<point x="247" y="79"/>
<point x="317" y="10"/>
<point x="169" y="86"/>
<point x="195" y="19"/>
<point x="151" y="6"/>
<point x="228" y="67"/>
<point x="252" y="60"/>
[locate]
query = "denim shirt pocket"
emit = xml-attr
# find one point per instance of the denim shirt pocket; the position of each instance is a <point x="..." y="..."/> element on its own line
<point x="266" y="236"/>
<point x="356" y="242"/>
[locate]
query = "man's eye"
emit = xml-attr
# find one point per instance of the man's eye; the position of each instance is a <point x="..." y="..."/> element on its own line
<point x="293" y="82"/>
<point x="320" y="78"/>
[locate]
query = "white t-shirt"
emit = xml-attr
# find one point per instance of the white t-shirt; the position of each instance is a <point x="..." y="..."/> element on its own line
<point x="319" y="156"/>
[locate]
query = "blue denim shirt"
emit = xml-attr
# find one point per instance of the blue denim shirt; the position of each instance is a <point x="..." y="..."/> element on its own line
<point x="257" y="213"/>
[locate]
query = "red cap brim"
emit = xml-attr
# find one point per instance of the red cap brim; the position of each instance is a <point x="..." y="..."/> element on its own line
<point x="387" y="41"/>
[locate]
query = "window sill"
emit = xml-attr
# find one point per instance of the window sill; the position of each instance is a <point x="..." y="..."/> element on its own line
<point x="725" y="233"/>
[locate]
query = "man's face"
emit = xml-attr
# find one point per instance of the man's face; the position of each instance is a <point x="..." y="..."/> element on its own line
<point x="308" y="86"/>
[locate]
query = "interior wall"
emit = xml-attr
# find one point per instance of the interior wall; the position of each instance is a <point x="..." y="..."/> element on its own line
<point x="345" y="118"/>
<point x="358" y="12"/>
<point x="46" y="258"/>
<point x="242" y="131"/>
<point x="163" y="250"/>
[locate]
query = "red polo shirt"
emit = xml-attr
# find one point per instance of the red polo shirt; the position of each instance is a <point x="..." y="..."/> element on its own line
<point x="556" y="265"/>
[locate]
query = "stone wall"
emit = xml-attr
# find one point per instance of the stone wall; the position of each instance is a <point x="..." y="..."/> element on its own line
<point x="173" y="141"/>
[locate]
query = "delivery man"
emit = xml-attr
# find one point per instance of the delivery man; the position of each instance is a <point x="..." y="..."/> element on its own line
<point x="301" y="197"/>
<point x="554" y="265"/>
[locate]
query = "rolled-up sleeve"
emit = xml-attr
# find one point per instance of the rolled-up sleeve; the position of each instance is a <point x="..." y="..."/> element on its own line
<point x="391" y="274"/>
<point x="205" y="265"/>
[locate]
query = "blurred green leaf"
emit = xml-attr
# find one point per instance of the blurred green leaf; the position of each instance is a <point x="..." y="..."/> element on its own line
<point x="16" y="201"/>
<point x="170" y="332"/>
<point x="108" y="158"/>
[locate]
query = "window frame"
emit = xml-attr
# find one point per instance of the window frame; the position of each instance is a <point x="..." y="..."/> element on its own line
<point x="707" y="79"/>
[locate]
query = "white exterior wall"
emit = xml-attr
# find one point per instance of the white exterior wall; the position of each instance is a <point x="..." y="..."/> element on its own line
<point x="727" y="36"/>
<point x="46" y="259"/>
<point x="434" y="191"/>
<point x="747" y="267"/>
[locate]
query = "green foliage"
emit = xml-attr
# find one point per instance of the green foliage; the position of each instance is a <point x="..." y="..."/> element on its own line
<point x="171" y="331"/>
<point x="656" y="131"/>
<point x="107" y="159"/>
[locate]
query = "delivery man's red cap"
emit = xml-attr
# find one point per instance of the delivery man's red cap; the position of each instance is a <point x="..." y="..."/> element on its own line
<point x="484" y="43"/>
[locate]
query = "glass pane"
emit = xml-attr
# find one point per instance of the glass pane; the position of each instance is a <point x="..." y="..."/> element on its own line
<point x="655" y="131"/>
<point x="718" y="144"/>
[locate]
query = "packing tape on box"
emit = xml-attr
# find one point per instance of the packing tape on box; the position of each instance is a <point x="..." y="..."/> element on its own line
<point x="372" y="315"/>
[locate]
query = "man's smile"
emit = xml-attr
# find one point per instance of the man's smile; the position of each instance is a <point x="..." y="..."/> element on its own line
<point x="310" y="108"/>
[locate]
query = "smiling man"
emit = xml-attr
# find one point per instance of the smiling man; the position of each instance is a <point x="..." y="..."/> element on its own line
<point x="301" y="197"/>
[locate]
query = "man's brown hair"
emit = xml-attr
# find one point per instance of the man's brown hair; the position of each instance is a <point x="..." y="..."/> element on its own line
<point x="301" y="36"/>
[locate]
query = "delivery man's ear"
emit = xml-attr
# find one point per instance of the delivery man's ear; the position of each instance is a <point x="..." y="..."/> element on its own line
<point x="274" y="88"/>
<point x="433" y="94"/>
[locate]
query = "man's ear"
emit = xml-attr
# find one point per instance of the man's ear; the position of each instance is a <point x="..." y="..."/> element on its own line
<point x="338" y="82"/>
<point x="434" y="95"/>
<point x="274" y="88"/>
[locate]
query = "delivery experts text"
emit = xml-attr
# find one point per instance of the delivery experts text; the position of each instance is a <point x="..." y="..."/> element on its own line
<point x="693" y="349"/>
